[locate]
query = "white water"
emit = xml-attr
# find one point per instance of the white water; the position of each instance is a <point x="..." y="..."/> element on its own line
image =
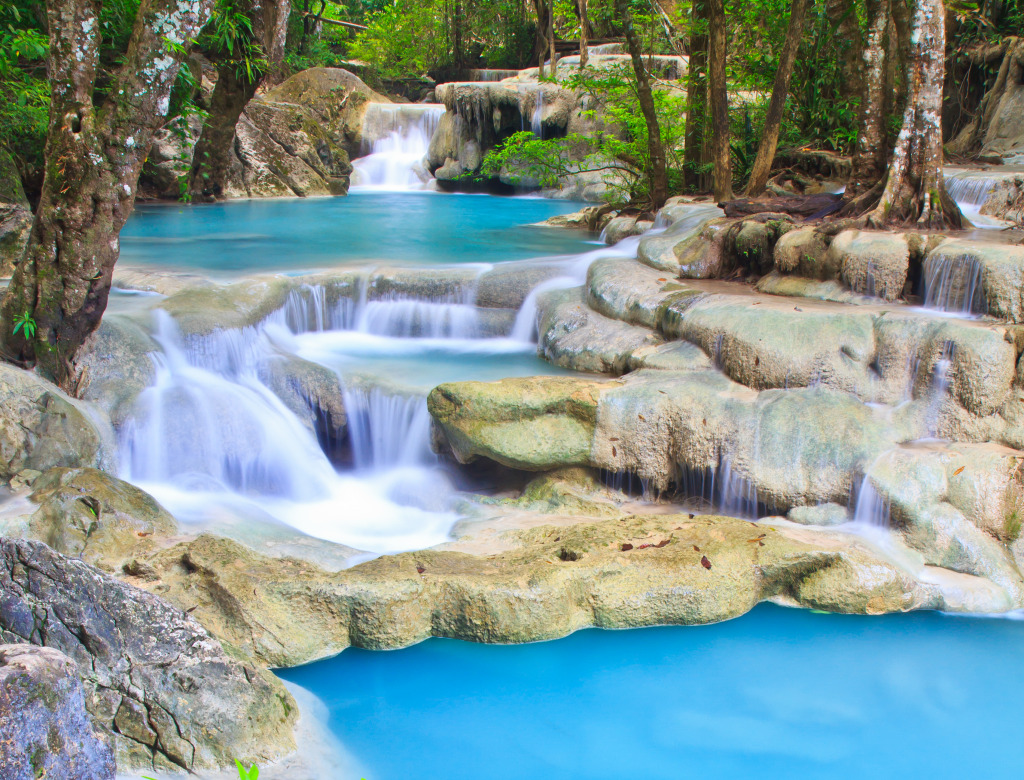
<point x="396" y="138"/>
<point x="536" y="121"/>
<point x="954" y="283"/>
<point x="970" y="190"/>
<point x="209" y="438"/>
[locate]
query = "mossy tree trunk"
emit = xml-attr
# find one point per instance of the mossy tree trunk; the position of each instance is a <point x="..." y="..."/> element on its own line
<point x="914" y="189"/>
<point x="584" y="32"/>
<point x="657" y="176"/>
<point x="214" y="152"/>
<point x="780" y="92"/>
<point x="94" y="154"/>
<point x="719" y="99"/>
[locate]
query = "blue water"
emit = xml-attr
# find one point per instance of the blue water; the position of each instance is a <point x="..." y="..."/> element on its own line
<point x="776" y="693"/>
<point x="320" y="233"/>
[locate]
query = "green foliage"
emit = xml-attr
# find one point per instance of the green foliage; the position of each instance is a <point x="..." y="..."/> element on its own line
<point x="25" y="324"/>
<point x="228" y="38"/>
<point x="252" y="773"/>
<point x="24" y="89"/>
<point x="618" y="148"/>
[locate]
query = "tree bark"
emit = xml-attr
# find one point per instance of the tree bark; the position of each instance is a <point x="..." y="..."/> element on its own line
<point x="552" y="51"/>
<point x="540" y="7"/>
<point x="780" y="92"/>
<point x="657" y="176"/>
<point x="915" y="190"/>
<point x="696" y="98"/>
<point x="214" y="152"/>
<point x="94" y="154"/>
<point x="870" y="155"/>
<point x="584" y="33"/>
<point x="719" y="99"/>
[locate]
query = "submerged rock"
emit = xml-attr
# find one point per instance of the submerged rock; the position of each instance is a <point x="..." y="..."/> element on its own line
<point x="156" y="683"/>
<point x="45" y="731"/>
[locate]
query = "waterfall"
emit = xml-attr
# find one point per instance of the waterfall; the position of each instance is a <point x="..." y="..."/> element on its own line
<point x="491" y="74"/>
<point x="387" y="429"/>
<point x="871" y="509"/>
<point x="970" y="190"/>
<point x="396" y="138"/>
<point x="954" y="283"/>
<point x="536" y="121"/>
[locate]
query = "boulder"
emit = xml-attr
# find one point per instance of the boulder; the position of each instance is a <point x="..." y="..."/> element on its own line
<point x="573" y="335"/>
<point x="45" y="731"/>
<point x="42" y="427"/>
<point x="88" y="514"/>
<point x="872" y="263"/>
<point x="159" y="687"/>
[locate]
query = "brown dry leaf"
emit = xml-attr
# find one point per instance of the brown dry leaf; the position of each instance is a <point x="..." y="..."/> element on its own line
<point x="705" y="562"/>
<point x="662" y="543"/>
<point x="642" y="417"/>
<point x="615" y="453"/>
<point x="625" y="547"/>
<point x="696" y="548"/>
<point x="958" y="470"/>
<point x="420" y="570"/>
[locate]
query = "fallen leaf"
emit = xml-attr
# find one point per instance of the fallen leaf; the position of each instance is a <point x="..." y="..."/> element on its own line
<point x="958" y="470"/>
<point x="614" y="438"/>
<point x="615" y="453"/>
<point x="696" y="548"/>
<point x="644" y="546"/>
<point x="558" y="538"/>
<point x="757" y="303"/>
<point x="420" y="570"/>
<point x="663" y="279"/>
<point x="642" y="417"/>
<point x="761" y="543"/>
<point x="691" y="515"/>
<point x="662" y="543"/>
<point x="625" y="546"/>
<point x="705" y="562"/>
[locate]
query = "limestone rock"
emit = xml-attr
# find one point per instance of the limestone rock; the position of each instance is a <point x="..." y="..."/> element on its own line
<point x="156" y="683"/>
<point x="44" y="729"/>
<point x="573" y="335"/>
<point x="41" y="427"/>
<point x="871" y="262"/>
<point x="537" y="423"/>
<point x="88" y="514"/>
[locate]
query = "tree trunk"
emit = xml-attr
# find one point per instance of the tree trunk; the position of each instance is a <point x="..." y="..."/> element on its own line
<point x="553" y="53"/>
<point x="869" y="157"/>
<point x="696" y="98"/>
<point x="719" y="99"/>
<point x="214" y="151"/>
<point x="584" y="33"/>
<point x="780" y="92"/>
<point x="914" y="189"/>
<point x="843" y="16"/>
<point x="94" y="154"/>
<point x="657" y="176"/>
<point x="540" y="8"/>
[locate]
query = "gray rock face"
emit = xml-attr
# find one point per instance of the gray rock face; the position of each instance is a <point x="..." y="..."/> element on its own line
<point x="41" y="427"/>
<point x="44" y="729"/>
<point x="161" y="688"/>
<point x="15" y="215"/>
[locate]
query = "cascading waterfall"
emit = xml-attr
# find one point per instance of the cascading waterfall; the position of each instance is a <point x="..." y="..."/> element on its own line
<point x="491" y="74"/>
<point x="954" y="283"/>
<point x="396" y="138"/>
<point x="970" y="190"/>
<point x="871" y="509"/>
<point x="537" y="120"/>
<point x="387" y="429"/>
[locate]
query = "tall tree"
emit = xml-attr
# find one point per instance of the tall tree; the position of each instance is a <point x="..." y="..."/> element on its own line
<point x="719" y="98"/>
<point x="581" y="5"/>
<point x="915" y="189"/>
<point x="869" y="157"/>
<point x="657" y="172"/>
<point x="541" y="9"/>
<point x="96" y="144"/>
<point x="695" y="144"/>
<point x="780" y="92"/>
<point x="246" y="40"/>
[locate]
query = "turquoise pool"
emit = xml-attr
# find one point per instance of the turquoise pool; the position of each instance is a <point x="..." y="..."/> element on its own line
<point x="318" y="233"/>
<point x="776" y="693"/>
